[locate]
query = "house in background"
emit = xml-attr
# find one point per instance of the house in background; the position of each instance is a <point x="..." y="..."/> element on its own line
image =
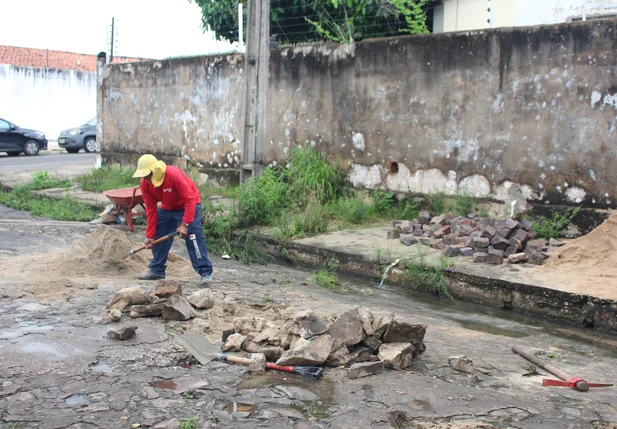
<point x="462" y="15"/>
<point x="48" y="90"/>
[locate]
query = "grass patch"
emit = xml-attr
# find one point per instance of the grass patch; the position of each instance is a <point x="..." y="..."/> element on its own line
<point x="551" y="227"/>
<point x="42" y="180"/>
<point x="191" y="423"/>
<point x="326" y="278"/>
<point x="421" y="276"/>
<point x="549" y="355"/>
<point x="106" y="178"/>
<point x="209" y="189"/>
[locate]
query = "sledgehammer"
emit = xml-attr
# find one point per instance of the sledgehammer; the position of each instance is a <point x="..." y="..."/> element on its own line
<point x="157" y="241"/>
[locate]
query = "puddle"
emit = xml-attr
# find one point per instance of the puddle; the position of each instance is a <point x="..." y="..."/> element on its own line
<point x="31" y="306"/>
<point x="77" y="399"/>
<point x="37" y="329"/>
<point x="489" y="329"/>
<point x="180" y="384"/>
<point x="101" y="367"/>
<point x="420" y="404"/>
<point x="45" y="351"/>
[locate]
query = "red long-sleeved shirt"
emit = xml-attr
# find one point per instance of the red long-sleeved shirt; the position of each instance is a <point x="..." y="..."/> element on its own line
<point x="176" y="193"/>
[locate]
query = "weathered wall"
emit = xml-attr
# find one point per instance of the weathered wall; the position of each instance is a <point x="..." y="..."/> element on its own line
<point x="510" y="114"/>
<point x="47" y="100"/>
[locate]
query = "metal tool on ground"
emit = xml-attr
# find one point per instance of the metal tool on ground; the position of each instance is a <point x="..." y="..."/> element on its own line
<point x="204" y="352"/>
<point x="567" y="380"/>
<point x="157" y="241"/>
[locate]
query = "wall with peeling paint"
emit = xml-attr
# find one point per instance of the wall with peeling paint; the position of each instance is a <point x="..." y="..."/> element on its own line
<point x="513" y="114"/>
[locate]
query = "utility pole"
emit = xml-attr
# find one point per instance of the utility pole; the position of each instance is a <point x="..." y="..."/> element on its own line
<point x="111" y="52"/>
<point x="254" y="153"/>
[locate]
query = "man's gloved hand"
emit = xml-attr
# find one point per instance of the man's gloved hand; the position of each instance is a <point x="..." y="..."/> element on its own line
<point x="183" y="230"/>
<point x="148" y="242"/>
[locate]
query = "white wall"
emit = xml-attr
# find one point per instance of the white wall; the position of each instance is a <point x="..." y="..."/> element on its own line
<point x="534" y="12"/>
<point x="47" y="100"/>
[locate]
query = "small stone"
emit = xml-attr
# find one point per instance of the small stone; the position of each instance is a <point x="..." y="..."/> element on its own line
<point x="451" y="251"/>
<point x="396" y="224"/>
<point x="438" y="220"/>
<point x="426" y="241"/>
<point x="362" y="354"/>
<point x="405" y="227"/>
<point x="510" y="224"/>
<point x="177" y="308"/>
<point x="227" y="333"/>
<point x="500" y="243"/>
<point x="480" y="257"/>
<point x="534" y="257"/>
<point x="122" y="333"/>
<point x="467" y="251"/>
<point x="233" y="343"/>
<point x="525" y="224"/>
<point x="443" y="232"/>
<point x="340" y="357"/>
<point x="223" y="417"/>
<point x="517" y="258"/>
<point x="168" y="424"/>
<point x="517" y="244"/>
<point x="408" y="240"/>
<point x="509" y="251"/>
<point x="9" y="388"/>
<point x="246" y="325"/>
<point x="371" y="342"/>
<point x="271" y="335"/>
<point x="381" y="324"/>
<point x="539" y="244"/>
<point x="135" y="425"/>
<point x="308" y="352"/>
<point x="489" y="231"/>
<point x="347" y="329"/>
<point x="115" y="315"/>
<point x="461" y="363"/>
<point x="359" y="370"/>
<point x="554" y="243"/>
<point x="203" y="298"/>
<point x="396" y="355"/>
<point x="521" y="235"/>
<point x="129" y="296"/>
<point x="393" y="234"/>
<point x="167" y="288"/>
<point x="273" y="353"/>
<point x="437" y="244"/>
<point x="258" y="364"/>
<point x="495" y="257"/>
<point x="149" y="310"/>
<point x="309" y="324"/>
<point x="424" y="217"/>
<point x="229" y="307"/>
<point x="480" y="242"/>
<point x="249" y="345"/>
<point x="366" y="317"/>
<point x="403" y="332"/>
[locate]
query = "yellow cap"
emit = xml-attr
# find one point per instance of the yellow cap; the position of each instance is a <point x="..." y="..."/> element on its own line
<point x="149" y="164"/>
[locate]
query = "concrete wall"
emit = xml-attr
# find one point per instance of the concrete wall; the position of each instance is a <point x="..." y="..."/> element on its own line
<point x="516" y="114"/>
<point x="47" y="100"/>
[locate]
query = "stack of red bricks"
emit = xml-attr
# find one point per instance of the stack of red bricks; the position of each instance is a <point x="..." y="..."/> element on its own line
<point x="479" y="237"/>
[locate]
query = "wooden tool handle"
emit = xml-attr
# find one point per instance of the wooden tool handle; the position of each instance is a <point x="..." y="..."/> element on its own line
<point x="157" y="241"/>
<point x="542" y="364"/>
<point x="237" y="359"/>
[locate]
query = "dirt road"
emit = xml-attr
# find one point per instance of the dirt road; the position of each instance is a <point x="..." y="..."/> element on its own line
<point x="58" y="369"/>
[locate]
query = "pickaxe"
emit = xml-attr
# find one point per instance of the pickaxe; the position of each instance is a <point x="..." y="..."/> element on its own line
<point x="566" y="379"/>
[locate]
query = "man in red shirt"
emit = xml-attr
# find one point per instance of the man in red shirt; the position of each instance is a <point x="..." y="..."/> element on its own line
<point x="180" y="210"/>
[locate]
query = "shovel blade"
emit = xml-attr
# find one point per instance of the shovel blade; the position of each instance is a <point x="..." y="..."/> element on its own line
<point x="202" y="349"/>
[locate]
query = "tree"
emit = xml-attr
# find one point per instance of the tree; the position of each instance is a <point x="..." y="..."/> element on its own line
<point x="335" y="20"/>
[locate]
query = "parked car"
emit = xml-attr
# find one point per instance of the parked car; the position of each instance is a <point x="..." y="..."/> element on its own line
<point x="15" y="140"/>
<point x="82" y="137"/>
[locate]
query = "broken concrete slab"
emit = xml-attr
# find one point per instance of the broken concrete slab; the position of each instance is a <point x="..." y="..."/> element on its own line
<point x="314" y="351"/>
<point x="123" y="333"/>
<point x="177" y="308"/>
<point x="461" y="363"/>
<point x="309" y="324"/>
<point x="202" y="299"/>
<point x="396" y="355"/>
<point x="148" y="310"/>
<point x="347" y="329"/>
<point x="129" y="296"/>
<point x="167" y="288"/>
<point x="365" y="369"/>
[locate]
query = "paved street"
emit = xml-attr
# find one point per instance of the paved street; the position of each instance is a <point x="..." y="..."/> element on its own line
<point x="46" y="162"/>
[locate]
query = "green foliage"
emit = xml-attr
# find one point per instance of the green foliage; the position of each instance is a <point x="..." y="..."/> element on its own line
<point x="421" y="276"/>
<point x="325" y="277"/>
<point x="336" y="20"/>
<point x="549" y="355"/>
<point x="68" y="209"/>
<point x="464" y="204"/>
<point x="550" y="227"/>
<point x="189" y="423"/>
<point x="262" y="199"/>
<point x="313" y="220"/>
<point x="208" y="189"/>
<point x="42" y="180"/>
<point x="437" y="202"/>
<point x="106" y="178"/>
<point x="352" y="210"/>
<point x="383" y="202"/>
<point x="312" y="176"/>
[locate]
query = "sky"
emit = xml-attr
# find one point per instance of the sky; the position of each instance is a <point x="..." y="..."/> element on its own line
<point x="154" y="29"/>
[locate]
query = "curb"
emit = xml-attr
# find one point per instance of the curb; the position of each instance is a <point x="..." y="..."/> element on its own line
<point x="575" y="309"/>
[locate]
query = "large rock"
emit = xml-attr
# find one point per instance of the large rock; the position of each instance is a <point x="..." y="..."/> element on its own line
<point x="177" y="308"/>
<point x="122" y="333"/>
<point x="309" y="324"/>
<point x="314" y="351"/>
<point x="359" y="370"/>
<point x="396" y="355"/>
<point x="249" y="344"/>
<point x="167" y="288"/>
<point x="129" y="296"/>
<point x="371" y="342"/>
<point x="340" y="357"/>
<point x="402" y="332"/>
<point x="149" y="310"/>
<point x="271" y="335"/>
<point x="347" y="329"/>
<point x="367" y="318"/>
<point x="381" y="324"/>
<point x="362" y="354"/>
<point x="203" y="298"/>
<point x="233" y="343"/>
<point x="245" y="325"/>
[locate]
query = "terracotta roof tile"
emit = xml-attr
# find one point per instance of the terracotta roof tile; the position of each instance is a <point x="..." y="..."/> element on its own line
<point x="43" y="58"/>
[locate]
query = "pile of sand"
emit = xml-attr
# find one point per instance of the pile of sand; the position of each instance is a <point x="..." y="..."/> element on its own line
<point x="596" y="249"/>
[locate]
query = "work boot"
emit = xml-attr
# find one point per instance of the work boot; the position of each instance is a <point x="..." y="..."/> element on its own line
<point x="150" y="276"/>
<point x="205" y="280"/>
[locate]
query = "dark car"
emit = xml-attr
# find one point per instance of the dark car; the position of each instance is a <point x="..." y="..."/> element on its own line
<point x="83" y="137"/>
<point x="15" y="140"/>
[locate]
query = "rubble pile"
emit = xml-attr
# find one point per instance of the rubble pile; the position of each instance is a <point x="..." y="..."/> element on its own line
<point x="357" y="338"/>
<point x="483" y="239"/>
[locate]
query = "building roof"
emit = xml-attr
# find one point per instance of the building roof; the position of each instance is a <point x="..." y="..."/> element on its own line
<point x="44" y="58"/>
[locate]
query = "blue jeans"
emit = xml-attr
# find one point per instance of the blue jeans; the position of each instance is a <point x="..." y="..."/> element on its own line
<point x="167" y="222"/>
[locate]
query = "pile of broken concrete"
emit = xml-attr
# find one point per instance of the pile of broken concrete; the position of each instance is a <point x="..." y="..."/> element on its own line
<point x="358" y="339"/>
<point x="479" y="237"/>
<point x="167" y="301"/>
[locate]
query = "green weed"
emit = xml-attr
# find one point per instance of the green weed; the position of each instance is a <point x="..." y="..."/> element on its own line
<point x="42" y="180"/>
<point x="68" y="209"/>
<point x="421" y="276"/>
<point x="108" y="177"/>
<point x="325" y="277"/>
<point x="261" y="200"/>
<point x="208" y="189"/>
<point x="550" y="227"/>
<point x="437" y="202"/>
<point x="191" y="423"/>
<point x="314" y="411"/>
<point x="353" y="209"/>
<point x="464" y="204"/>
<point x="549" y="355"/>
<point x="531" y="370"/>
<point x="383" y="202"/>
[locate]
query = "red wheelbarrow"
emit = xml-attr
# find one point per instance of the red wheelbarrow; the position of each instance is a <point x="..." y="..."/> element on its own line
<point x="125" y="200"/>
